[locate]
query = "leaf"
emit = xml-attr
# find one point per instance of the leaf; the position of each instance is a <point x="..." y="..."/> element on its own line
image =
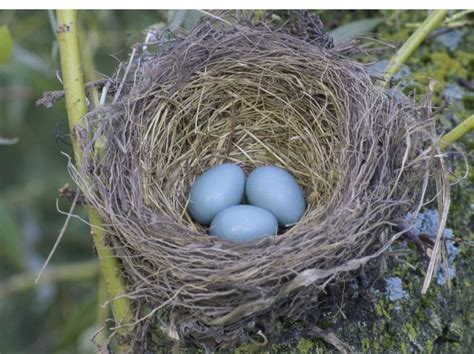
<point x="190" y="20"/>
<point x="354" y="29"/>
<point x="30" y="60"/>
<point x="6" y="44"/>
<point x="186" y="19"/>
<point x="176" y="18"/>
<point x="10" y="238"/>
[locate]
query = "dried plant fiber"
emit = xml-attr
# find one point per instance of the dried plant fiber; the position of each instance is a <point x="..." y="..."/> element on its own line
<point x="252" y="95"/>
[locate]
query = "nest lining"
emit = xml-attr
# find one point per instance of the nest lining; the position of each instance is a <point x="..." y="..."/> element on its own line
<point x="217" y="118"/>
<point x="254" y="96"/>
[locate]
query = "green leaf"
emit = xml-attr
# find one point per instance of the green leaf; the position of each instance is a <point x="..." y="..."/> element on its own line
<point x="10" y="238"/>
<point x="354" y="29"/>
<point x="176" y="18"/>
<point x="6" y="44"/>
<point x="191" y="18"/>
<point x="186" y="19"/>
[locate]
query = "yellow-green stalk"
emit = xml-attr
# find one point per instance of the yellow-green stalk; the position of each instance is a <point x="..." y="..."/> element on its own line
<point x="76" y="108"/>
<point x="87" y="58"/>
<point x="432" y="21"/>
<point x="457" y="132"/>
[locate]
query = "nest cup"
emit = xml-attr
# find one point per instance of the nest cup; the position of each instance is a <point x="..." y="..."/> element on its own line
<point x="252" y="95"/>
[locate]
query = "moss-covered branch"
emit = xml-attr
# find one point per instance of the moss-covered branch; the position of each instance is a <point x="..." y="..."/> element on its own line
<point x="76" y="108"/>
<point x="431" y="22"/>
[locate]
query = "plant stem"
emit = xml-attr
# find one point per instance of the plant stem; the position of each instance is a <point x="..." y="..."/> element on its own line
<point x="431" y="22"/>
<point x="76" y="108"/>
<point x="87" y="50"/>
<point x="71" y="71"/>
<point x="457" y="132"/>
<point x="64" y="272"/>
<point x="458" y="15"/>
<point x="102" y="312"/>
<point x="87" y="57"/>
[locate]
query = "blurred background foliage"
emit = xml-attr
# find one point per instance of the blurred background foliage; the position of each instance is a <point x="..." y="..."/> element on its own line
<point x="61" y="313"/>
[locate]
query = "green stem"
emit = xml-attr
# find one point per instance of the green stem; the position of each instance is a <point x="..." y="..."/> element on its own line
<point x="431" y="22"/>
<point x="76" y="108"/>
<point x="87" y="57"/>
<point x="64" y="272"/>
<point x="458" y="15"/>
<point x="87" y="50"/>
<point x="102" y="312"/>
<point x="457" y="132"/>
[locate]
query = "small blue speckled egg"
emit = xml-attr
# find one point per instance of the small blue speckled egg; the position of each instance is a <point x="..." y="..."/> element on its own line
<point x="216" y="189"/>
<point x="240" y="223"/>
<point x="276" y="190"/>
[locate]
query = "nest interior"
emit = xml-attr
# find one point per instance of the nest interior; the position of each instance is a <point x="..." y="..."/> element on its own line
<point x="253" y="95"/>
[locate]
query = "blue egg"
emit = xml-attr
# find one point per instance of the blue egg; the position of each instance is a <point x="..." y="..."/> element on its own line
<point x="241" y="223"/>
<point x="276" y="190"/>
<point x="216" y="189"/>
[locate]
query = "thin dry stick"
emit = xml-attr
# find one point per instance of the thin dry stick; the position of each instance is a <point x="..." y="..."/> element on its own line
<point x="446" y="197"/>
<point x="129" y="65"/>
<point x="60" y="236"/>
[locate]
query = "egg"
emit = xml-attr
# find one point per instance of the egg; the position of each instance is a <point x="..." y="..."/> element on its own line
<point x="214" y="190"/>
<point x="240" y="223"/>
<point x="277" y="191"/>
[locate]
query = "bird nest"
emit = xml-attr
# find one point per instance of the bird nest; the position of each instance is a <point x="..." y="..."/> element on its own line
<point x="253" y="95"/>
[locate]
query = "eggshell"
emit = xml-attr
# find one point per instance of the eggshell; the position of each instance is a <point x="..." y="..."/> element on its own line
<point x="241" y="223"/>
<point x="214" y="190"/>
<point x="276" y="190"/>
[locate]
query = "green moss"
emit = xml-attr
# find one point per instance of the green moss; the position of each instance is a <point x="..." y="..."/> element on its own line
<point x="387" y="342"/>
<point x="443" y="67"/>
<point x="408" y="328"/>
<point x="305" y="346"/>
<point x="246" y="349"/>
<point x="429" y="347"/>
<point x="325" y="324"/>
<point x="468" y="102"/>
<point x="380" y="310"/>
<point x="466" y="58"/>
<point x="365" y="344"/>
<point x="404" y="348"/>
<point x="435" y="322"/>
<point x="383" y="310"/>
